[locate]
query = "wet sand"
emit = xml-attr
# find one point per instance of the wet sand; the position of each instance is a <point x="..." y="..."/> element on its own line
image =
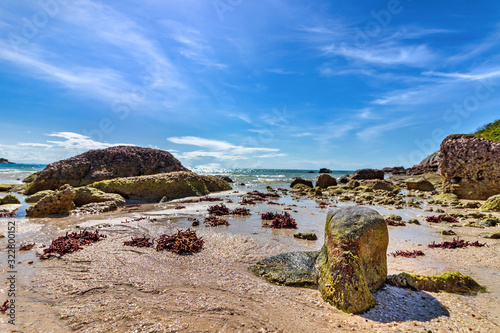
<point x="109" y="287"/>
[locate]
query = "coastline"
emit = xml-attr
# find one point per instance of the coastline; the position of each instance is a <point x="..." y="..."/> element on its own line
<point x="214" y="291"/>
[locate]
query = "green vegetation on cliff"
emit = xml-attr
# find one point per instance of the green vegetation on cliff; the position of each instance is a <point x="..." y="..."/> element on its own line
<point x="490" y="131"/>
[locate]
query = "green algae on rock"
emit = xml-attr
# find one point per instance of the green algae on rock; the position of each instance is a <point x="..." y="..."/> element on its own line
<point x="59" y="202"/>
<point x="492" y="204"/>
<point x="291" y="269"/>
<point x="34" y="198"/>
<point x="353" y="261"/>
<point x="305" y="235"/>
<point x="448" y="197"/>
<point x="86" y="195"/>
<point x="173" y="185"/>
<point x="9" y="199"/>
<point x="450" y="282"/>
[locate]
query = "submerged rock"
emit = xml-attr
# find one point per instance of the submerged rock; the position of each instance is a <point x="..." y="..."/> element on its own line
<point x="450" y="282"/>
<point x="305" y="235"/>
<point x="172" y="185"/>
<point x="353" y="260"/>
<point x="291" y="269"/>
<point x="325" y="180"/>
<point x="59" y="202"/>
<point x="102" y="164"/>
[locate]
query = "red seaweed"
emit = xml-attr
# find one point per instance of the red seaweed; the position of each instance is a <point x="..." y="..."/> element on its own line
<point x="279" y="221"/>
<point x="246" y="201"/>
<point x="392" y="222"/>
<point x="180" y="207"/>
<point x="407" y="254"/>
<point x="441" y="218"/>
<point x="181" y="242"/>
<point x="139" y="242"/>
<point x="323" y="205"/>
<point x="26" y="246"/>
<point x="455" y="244"/>
<point x="264" y="195"/>
<point x="4" y="307"/>
<point x="241" y="212"/>
<point x="10" y="215"/>
<point x="215" y="221"/>
<point x="269" y="216"/>
<point x="70" y="243"/>
<point x="218" y="210"/>
<point x="207" y="198"/>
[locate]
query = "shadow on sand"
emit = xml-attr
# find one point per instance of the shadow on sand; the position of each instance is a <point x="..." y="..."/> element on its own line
<point x="398" y="304"/>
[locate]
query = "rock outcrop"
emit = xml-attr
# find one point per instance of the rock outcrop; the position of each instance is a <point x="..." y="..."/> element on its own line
<point x="59" y="202"/>
<point x="399" y="170"/>
<point x="102" y="164"/>
<point x="5" y="161"/>
<point x="325" y="170"/>
<point x="299" y="180"/>
<point x="419" y="184"/>
<point x="172" y="185"/>
<point x="325" y="180"/>
<point x="353" y="260"/>
<point x="367" y="174"/>
<point x="34" y="198"/>
<point x="377" y="184"/>
<point x="469" y="166"/>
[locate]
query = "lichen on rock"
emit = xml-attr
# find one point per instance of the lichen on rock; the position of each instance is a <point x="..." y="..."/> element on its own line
<point x="450" y="282"/>
<point x="59" y="202"/>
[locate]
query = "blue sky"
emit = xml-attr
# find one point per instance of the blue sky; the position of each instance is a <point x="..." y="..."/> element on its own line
<point x="238" y="83"/>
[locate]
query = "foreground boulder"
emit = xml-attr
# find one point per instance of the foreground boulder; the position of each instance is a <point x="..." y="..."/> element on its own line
<point x="59" y="202"/>
<point x="172" y="185"/>
<point x="353" y="260"/>
<point x="325" y="180"/>
<point x="101" y="164"/>
<point x="469" y="166"/>
<point x="492" y="204"/>
<point x="367" y="174"/>
<point x="450" y="282"/>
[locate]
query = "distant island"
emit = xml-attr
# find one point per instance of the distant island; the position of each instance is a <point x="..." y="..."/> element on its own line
<point x="5" y="161"/>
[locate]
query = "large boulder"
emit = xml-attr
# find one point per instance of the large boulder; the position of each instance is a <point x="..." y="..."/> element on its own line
<point x="492" y="204"/>
<point x="172" y="185"/>
<point x="367" y="174"/>
<point x="353" y="260"/>
<point x="299" y="180"/>
<point x="469" y="166"/>
<point x="85" y="195"/>
<point x="325" y="180"/>
<point x="102" y="164"/>
<point x="59" y="202"/>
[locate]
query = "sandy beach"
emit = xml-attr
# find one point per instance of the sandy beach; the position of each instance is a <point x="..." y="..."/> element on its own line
<point x="110" y="287"/>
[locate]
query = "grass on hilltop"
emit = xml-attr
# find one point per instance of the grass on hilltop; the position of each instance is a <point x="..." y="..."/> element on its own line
<point x="490" y="131"/>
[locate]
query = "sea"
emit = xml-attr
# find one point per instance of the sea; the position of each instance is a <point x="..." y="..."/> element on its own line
<point x="15" y="173"/>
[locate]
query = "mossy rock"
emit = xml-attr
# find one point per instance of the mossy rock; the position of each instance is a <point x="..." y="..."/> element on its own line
<point x="414" y="221"/>
<point x="30" y="178"/>
<point x="305" y="235"/>
<point x="290" y="269"/>
<point x="450" y="282"/>
<point x="448" y="197"/>
<point x="394" y="217"/>
<point x="7" y="187"/>
<point x="492" y="204"/>
<point x="492" y="235"/>
<point x="9" y="199"/>
<point x="173" y="185"/>
<point x="86" y="195"/>
<point x="34" y="198"/>
<point x="300" y="186"/>
<point x="446" y="232"/>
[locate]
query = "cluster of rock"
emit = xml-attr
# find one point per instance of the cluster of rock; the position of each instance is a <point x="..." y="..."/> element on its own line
<point x="352" y="264"/>
<point x="5" y="161"/>
<point x="102" y="180"/>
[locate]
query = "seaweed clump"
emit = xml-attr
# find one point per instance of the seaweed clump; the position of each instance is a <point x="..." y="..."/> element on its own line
<point x="241" y="212"/>
<point x="247" y="201"/>
<point x="26" y="246"/>
<point x="395" y="223"/>
<point x="218" y="210"/>
<point x="455" y="244"/>
<point x="5" y="306"/>
<point x="407" y="254"/>
<point x="279" y="221"/>
<point x="183" y="242"/>
<point x="215" y="221"/>
<point x="10" y="215"/>
<point x="139" y="242"/>
<point x="70" y="243"/>
<point x="441" y="218"/>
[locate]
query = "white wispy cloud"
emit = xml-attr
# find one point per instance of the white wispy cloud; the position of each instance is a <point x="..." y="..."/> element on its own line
<point x="371" y="132"/>
<point x="470" y="76"/>
<point x="218" y="149"/>
<point x="80" y="142"/>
